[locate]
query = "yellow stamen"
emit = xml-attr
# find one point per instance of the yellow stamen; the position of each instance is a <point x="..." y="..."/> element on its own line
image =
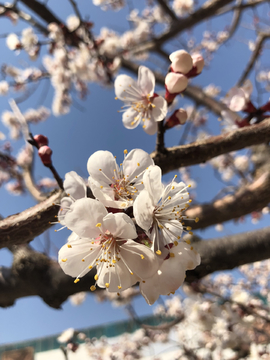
<point x="93" y="288"/>
<point x="76" y="281"/>
<point x="158" y="252"/>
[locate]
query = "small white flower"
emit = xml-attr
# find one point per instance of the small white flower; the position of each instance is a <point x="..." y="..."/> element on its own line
<point x="29" y="39"/>
<point x="182" y="7"/>
<point x="116" y="186"/>
<point x="78" y="298"/>
<point x="104" y="240"/>
<point x="142" y="104"/>
<point x="158" y="209"/>
<point x="13" y="42"/>
<point x="4" y="87"/>
<point x="66" y="336"/>
<point x="237" y="98"/>
<point x="73" y="22"/>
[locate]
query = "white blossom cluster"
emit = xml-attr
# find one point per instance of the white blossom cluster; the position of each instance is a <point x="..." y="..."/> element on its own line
<point x="183" y="7"/>
<point x="219" y="318"/>
<point x="110" y="4"/>
<point x="31" y="116"/>
<point x="28" y="42"/>
<point x="105" y="237"/>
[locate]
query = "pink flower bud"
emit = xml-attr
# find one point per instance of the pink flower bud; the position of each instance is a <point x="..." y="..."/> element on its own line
<point x="181" y="61"/>
<point x="45" y="153"/>
<point x="175" y="83"/>
<point x="198" y="62"/>
<point x="41" y="140"/>
<point x="179" y="117"/>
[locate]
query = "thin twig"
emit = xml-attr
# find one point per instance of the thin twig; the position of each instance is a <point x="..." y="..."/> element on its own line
<point x="254" y="56"/>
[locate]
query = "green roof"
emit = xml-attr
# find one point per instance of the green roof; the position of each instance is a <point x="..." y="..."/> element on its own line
<point x="108" y="330"/>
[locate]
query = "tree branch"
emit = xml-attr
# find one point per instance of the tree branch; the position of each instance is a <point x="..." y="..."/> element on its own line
<point x="247" y="199"/>
<point x="31" y="270"/>
<point x="204" y="150"/>
<point x="22" y="228"/>
<point x="167" y="10"/>
<point x="254" y="56"/>
<point x="25" y="226"/>
<point x="229" y="252"/>
<point x="42" y="11"/>
<point x="208" y="9"/>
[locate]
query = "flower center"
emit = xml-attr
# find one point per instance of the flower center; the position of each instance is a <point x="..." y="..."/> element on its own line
<point x="143" y="108"/>
<point x="123" y="190"/>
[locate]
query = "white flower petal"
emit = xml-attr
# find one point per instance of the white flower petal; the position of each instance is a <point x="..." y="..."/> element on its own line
<point x="122" y="84"/>
<point x="171" y="274"/>
<point x="103" y="193"/>
<point x="140" y="259"/>
<point x="83" y="217"/>
<point x="150" y="126"/>
<point x="146" y="81"/>
<point x="160" y="110"/>
<point x="73" y="237"/>
<point x="143" y="210"/>
<point x="189" y="257"/>
<point x="128" y="118"/>
<point x="120" y="226"/>
<point x="152" y="183"/>
<point x="238" y="103"/>
<point x="247" y="88"/>
<point x="66" y="202"/>
<point x="131" y="161"/>
<point x="71" y="258"/>
<point x="105" y="161"/>
<point x="74" y="185"/>
<point x="117" y="276"/>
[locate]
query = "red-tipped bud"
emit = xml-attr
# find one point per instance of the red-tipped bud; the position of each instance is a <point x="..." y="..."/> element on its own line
<point x="179" y="117"/>
<point x="41" y="140"/>
<point x="198" y="62"/>
<point x="175" y="83"/>
<point x="45" y="153"/>
<point x="181" y="61"/>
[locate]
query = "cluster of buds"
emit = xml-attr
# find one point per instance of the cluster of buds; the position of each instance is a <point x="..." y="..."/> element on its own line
<point x="183" y="67"/>
<point x="44" y="151"/>
<point x="238" y="99"/>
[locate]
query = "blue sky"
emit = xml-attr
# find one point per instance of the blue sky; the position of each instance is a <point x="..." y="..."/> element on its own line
<point x="74" y="138"/>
